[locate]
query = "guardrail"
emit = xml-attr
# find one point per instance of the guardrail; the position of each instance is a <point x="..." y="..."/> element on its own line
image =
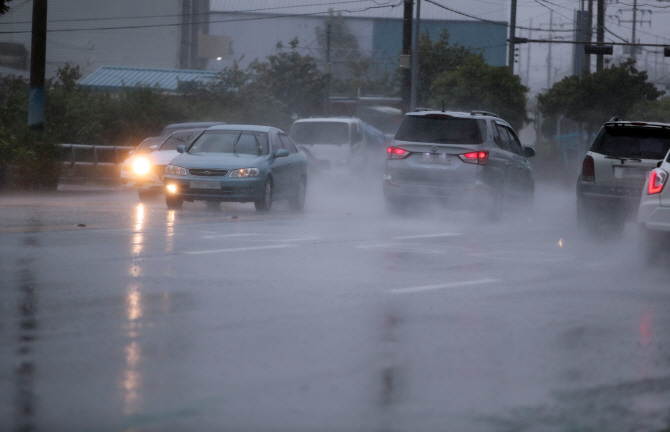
<point x="91" y="159"/>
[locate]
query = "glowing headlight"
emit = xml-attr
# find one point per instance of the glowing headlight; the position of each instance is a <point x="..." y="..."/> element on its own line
<point x="176" y="170"/>
<point x="244" y="172"/>
<point x="171" y="188"/>
<point x="141" y="166"/>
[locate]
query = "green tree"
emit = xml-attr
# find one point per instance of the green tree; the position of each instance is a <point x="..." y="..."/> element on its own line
<point x="594" y="99"/>
<point x="4" y="7"/>
<point x="291" y="78"/>
<point x="478" y="85"/>
<point x="436" y="57"/>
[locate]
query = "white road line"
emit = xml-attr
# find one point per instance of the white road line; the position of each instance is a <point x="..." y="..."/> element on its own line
<point x="426" y="236"/>
<point x="442" y="286"/>
<point x="410" y="248"/>
<point x="228" y="235"/>
<point x="241" y="249"/>
<point x="297" y="239"/>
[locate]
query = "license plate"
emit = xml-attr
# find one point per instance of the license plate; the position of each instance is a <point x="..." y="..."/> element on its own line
<point x="433" y="158"/>
<point x="630" y="173"/>
<point x="204" y="184"/>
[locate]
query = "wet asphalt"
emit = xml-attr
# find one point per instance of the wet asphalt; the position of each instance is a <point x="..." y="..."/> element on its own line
<point x="121" y="316"/>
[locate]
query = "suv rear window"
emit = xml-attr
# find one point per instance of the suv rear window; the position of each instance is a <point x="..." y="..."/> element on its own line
<point x="320" y="132"/>
<point x="632" y="142"/>
<point x="444" y="129"/>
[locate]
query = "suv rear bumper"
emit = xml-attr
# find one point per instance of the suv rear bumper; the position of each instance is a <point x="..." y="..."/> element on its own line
<point x="609" y="198"/>
<point x="473" y="198"/>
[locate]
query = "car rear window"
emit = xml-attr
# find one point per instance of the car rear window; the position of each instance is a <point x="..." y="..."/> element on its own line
<point x="442" y="129"/>
<point x="320" y="132"/>
<point x="632" y="142"/>
<point x="179" y="138"/>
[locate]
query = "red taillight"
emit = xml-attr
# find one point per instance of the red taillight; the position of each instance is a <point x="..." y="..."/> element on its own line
<point x="588" y="169"/>
<point x="396" y="153"/>
<point x="657" y="178"/>
<point x="479" y="157"/>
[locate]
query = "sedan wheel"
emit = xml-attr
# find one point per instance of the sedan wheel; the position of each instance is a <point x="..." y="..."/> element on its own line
<point x="265" y="203"/>
<point x="173" y="202"/>
<point x="297" y="202"/>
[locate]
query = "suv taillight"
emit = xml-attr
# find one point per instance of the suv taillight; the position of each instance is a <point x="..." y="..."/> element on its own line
<point x="396" y="153"/>
<point x="479" y="157"/>
<point x="657" y="179"/>
<point x="588" y="169"/>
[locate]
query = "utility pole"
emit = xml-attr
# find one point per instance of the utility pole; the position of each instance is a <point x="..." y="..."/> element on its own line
<point x="551" y="28"/>
<point x="530" y="36"/>
<point x="587" y="60"/>
<point x="329" y="71"/>
<point x="600" y="34"/>
<point x="633" y="51"/>
<point x="512" y="35"/>
<point x="38" y="54"/>
<point x="415" y="58"/>
<point x="405" y="62"/>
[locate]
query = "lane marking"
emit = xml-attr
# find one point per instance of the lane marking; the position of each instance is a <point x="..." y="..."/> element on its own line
<point x="539" y="257"/>
<point x="414" y="248"/>
<point x="442" y="286"/>
<point x="228" y="235"/>
<point x="296" y="239"/>
<point x="426" y="236"/>
<point x="241" y="249"/>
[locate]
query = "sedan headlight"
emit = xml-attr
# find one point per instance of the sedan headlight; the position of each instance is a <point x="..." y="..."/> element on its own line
<point x="141" y="166"/>
<point x="176" y="170"/>
<point x="244" y="172"/>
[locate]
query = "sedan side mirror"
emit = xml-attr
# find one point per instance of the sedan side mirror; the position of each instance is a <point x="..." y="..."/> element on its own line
<point x="281" y="153"/>
<point x="528" y="152"/>
<point x="181" y="148"/>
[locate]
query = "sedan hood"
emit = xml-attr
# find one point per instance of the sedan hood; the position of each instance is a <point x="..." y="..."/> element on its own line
<point x="227" y="161"/>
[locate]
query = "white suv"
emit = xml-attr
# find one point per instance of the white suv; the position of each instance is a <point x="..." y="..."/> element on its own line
<point x="614" y="171"/>
<point x="339" y="142"/>
<point x="654" y="212"/>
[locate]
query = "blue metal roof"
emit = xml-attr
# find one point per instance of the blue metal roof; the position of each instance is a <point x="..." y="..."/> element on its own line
<point x="116" y="78"/>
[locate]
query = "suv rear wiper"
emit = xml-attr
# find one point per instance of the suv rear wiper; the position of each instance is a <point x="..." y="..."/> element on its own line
<point x="622" y="159"/>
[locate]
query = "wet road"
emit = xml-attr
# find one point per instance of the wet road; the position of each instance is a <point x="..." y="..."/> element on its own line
<point x="341" y="318"/>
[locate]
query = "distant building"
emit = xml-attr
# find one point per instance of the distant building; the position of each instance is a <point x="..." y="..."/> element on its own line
<point x="253" y="27"/>
<point x="95" y="33"/>
<point x="212" y="34"/>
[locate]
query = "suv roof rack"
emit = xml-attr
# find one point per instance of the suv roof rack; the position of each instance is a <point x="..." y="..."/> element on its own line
<point x="487" y="113"/>
<point x="420" y="109"/>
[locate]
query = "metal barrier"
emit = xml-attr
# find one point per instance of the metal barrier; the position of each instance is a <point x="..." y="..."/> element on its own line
<point x="86" y="160"/>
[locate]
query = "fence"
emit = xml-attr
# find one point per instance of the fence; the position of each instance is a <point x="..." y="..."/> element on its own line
<point x="93" y="161"/>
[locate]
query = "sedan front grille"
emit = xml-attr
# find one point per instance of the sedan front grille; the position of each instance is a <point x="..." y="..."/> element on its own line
<point x="207" y="172"/>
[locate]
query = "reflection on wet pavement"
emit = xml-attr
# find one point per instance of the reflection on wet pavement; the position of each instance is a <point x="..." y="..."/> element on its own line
<point x="24" y="372"/>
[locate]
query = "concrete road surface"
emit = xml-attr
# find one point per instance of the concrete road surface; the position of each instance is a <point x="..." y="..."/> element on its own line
<point x="119" y="316"/>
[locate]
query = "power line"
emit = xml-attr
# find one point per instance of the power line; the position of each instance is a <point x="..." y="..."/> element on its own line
<point x="487" y="20"/>
<point x="211" y="21"/>
<point x="197" y="14"/>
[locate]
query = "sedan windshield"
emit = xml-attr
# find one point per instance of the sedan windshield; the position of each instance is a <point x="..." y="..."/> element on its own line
<point x="633" y="142"/>
<point x="230" y="141"/>
<point x="320" y="133"/>
<point x="442" y="129"/>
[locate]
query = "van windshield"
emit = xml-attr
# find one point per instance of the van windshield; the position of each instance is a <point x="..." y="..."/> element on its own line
<point x="633" y="142"/>
<point x="442" y="129"/>
<point x="320" y="133"/>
